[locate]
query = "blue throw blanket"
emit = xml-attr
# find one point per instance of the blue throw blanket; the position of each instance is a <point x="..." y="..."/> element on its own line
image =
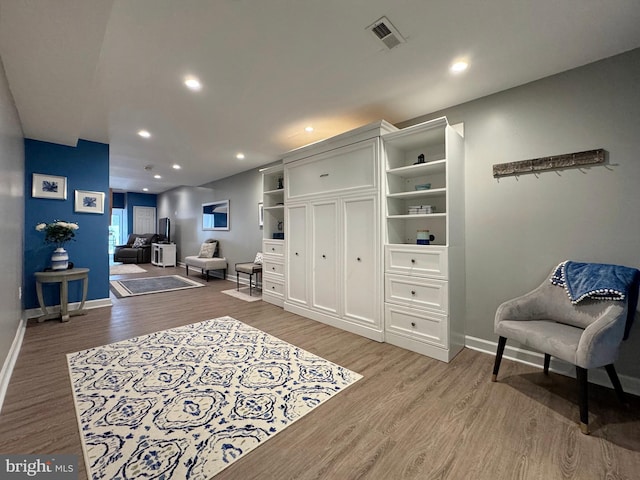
<point x="594" y="280"/>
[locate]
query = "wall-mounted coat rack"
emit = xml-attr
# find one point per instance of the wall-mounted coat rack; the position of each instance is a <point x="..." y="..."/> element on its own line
<point x="578" y="159"/>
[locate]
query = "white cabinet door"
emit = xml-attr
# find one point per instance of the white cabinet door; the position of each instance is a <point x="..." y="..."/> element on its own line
<point x="344" y="169"/>
<point x="324" y="280"/>
<point x="296" y="263"/>
<point x="361" y="261"/>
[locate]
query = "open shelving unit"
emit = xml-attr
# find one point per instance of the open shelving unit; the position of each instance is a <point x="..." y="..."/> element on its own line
<point x="424" y="283"/>
<point x="273" y="235"/>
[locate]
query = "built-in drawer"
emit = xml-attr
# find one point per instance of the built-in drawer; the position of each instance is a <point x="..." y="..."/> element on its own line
<point x="416" y="324"/>
<point x="426" y="261"/>
<point x="431" y="294"/>
<point x="273" y="247"/>
<point x="270" y="267"/>
<point x="273" y="287"/>
<point x="346" y="168"/>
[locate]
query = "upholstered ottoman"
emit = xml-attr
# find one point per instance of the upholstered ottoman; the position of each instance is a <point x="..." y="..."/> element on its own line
<point x="206" y="264"/>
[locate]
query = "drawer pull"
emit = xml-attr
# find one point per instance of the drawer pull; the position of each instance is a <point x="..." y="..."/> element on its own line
<point x="324" y="256"/>
<point x="413" y="260"/>
<point x="296" y="254"/>
<point x="273" y="287"/>
<point x="273" y="249"/>
<point x="359" y="259"/>
<point x="413" y="324"/>
<point x="324" y="175"/>
<point x="273" y="268"/>
<point x="413" y="292"/>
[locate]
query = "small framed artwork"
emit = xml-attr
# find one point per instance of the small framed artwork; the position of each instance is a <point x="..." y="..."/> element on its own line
<point x="89" y="202"/>
<point x="49" y="186"/>
<point x="260" y="214"/>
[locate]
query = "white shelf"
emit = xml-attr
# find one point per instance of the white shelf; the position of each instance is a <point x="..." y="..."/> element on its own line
<point x="419" y="215"/>
<point x="434" y="192"/>
<point x="274" y="192"/>
<point x="420" y="169"/>
<point x="275" y="207"/>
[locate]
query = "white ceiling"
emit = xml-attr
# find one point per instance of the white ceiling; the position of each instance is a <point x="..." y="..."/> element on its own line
<point x="101" y="70"/>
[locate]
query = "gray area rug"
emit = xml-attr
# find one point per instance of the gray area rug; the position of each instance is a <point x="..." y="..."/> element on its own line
<point x="143" y="286"/>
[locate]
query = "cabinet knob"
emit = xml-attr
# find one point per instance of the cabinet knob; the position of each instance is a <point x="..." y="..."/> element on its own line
<point x="413" y="292"/>
<point x="413" y="260"/>
<point x="359" y="259"/>
<point x="324" y="256"/>
<point x="413" y="324"/>
<point x="273" y="268"/>
<point x="296" y="254"/>
<point x="273" y="249"/>
<point x="273" y="287"/>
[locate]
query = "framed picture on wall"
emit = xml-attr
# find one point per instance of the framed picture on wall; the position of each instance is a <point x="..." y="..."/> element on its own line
<point x="260" y="214"/>
<point x="49" y="186"/>
<point x="89" y="202"/>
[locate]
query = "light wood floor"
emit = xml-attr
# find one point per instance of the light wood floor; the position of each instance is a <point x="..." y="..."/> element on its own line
<point x="410" y="417"/>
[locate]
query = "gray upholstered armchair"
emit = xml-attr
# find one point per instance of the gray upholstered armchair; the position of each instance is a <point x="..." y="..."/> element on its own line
<point x="586" y="334"/>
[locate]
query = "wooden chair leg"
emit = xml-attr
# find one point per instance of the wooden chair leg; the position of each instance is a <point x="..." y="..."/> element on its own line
<point x="617" y="386"/>
<point x="583" y="398"/>
<point x="547" y="360"/>
<point x="502" y="341"/>
<point x="237" y="281"/>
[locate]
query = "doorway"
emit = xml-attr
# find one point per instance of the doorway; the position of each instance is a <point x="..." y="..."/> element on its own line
<point x="144" y="220"/>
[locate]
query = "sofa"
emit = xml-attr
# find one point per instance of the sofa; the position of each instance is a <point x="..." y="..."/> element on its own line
<point x="136" y="252"/>
<point x="208" y="259"/>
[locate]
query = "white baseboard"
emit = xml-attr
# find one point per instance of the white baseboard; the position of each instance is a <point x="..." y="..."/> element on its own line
<point x="10" y="361"/>
<point x="597" y="375"/>
<point x="88" y="305"/>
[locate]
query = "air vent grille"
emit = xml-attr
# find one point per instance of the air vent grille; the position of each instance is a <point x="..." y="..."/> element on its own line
<point x="383" y="30"/>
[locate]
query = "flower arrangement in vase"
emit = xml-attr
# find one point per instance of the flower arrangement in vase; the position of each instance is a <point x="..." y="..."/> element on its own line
<point x="59" y="233"/>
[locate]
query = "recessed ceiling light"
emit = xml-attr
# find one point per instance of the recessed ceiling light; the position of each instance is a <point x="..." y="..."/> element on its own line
<point x="308" y="129"/>
<point x="240" y="156"/>
<point x="157" y="176"/>
<point x="193" y="83"/>
<point x="459" y="66"/>
<point x="144" y="133"/>
<point x="145" y="189"/>
<point x="176" y="166"/>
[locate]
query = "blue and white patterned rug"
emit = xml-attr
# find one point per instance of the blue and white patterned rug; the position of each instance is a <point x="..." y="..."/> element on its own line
<point x="185" y="403"/>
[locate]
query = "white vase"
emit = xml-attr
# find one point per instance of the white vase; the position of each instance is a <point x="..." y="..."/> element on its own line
<point x="59" y="259"/>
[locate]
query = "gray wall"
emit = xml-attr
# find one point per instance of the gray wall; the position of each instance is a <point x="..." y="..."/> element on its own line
<point x="519" y="228"/>
<point x="183" y="206"/>
<point x="11" y="217"/>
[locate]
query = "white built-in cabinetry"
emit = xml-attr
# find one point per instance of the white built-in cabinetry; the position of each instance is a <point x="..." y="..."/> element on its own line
<point x="351" y="257"/>
<point x="273" y="270"/>
<point x="425" y="284"/>
<point x="333" y="253"/>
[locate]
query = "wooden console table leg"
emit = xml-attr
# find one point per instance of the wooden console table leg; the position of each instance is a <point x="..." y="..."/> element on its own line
<point x="45" y="313"/>
<point x="85" y="289"/>
<point x="64" y="300"/>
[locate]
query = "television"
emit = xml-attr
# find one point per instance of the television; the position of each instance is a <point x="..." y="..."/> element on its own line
<point x="164" y="228"/>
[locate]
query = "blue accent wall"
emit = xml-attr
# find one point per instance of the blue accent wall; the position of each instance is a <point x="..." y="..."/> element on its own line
<point x="86" y="167"/>
<point x="139" y="200"/>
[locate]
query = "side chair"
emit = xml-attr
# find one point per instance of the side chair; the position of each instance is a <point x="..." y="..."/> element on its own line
<point x="587" y="333"/>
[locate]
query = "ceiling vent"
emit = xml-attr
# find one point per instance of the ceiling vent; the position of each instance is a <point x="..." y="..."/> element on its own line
<point x="384" y="31"/>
